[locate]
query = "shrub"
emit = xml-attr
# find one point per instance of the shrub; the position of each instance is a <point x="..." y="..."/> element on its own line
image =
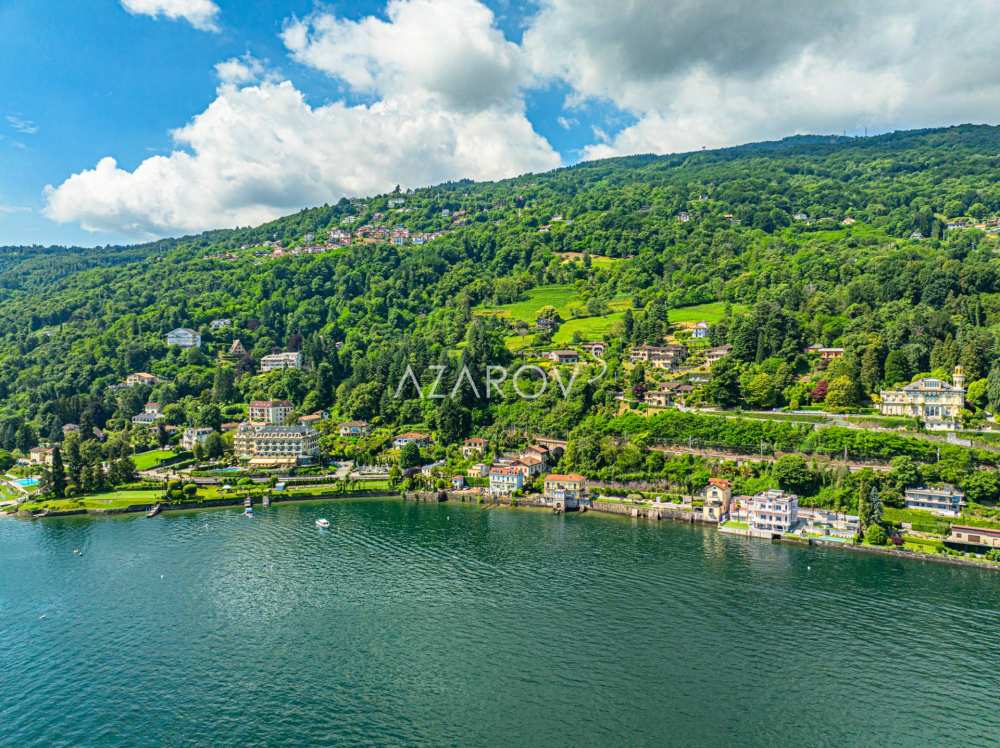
<point x="875" y="535"/>
<point x="190" y="489"/>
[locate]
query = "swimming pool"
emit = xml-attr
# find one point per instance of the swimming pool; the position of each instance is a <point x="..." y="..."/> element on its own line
<point x="26" y="482"/>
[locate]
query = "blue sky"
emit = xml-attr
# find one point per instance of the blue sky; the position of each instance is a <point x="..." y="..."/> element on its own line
<point x="366" y="94"/>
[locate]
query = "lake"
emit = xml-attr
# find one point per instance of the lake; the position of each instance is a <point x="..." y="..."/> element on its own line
<point x="448" y="624"/>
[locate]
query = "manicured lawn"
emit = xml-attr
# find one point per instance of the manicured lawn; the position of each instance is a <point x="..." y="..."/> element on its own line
<point x="150" y="460"/>
<point x="596" y="261"/>
<point x="589" y="328"/>
<point x="563" y="297"/>
<point x="711" y="312"/>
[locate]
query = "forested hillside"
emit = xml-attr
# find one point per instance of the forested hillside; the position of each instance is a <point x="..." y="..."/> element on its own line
<point x="886" y="246"/>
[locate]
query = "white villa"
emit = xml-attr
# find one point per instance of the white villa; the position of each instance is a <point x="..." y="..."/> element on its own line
<point x="276" y="446"/>
<point x="933" y="401"/>
<point x="184" y="337"/>
<point x="772" y="512"/>
<point x="286" y="360"/>
<point x="275" y="412"/>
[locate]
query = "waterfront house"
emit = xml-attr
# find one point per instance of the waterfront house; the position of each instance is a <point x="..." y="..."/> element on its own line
<point x="275" y="412"/>
<point x="474" y="445"/>
<point x="285" y="360"/>
<point x="40" y="456"/>
<point x="457" y="482"/>
<point x="563" y="356"/>
<point x="714" y="355"/>
<point x="974" y="539"/>
<point x="700" y="331"/>
<point x="934" y="402"/>
<point x="717" y="495"/>
<point x="184" y="337"/>
<point x="479" y="470"/>
<point x="505" y="480"/>
<point x="274" y="445"/>
<point x="772" y="512"/>
<point x="945" y="500"/>
<point x="354" y="428"/>
<point x="411" y="437"/>
<point x="194" y="436"/>
<point x="565" y="491"/>
<point x="827" y="523"/>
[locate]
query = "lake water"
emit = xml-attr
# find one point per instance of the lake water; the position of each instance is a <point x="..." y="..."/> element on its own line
<point x="442" y="625"/>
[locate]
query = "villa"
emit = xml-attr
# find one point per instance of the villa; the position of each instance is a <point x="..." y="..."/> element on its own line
<point x="286" y="360"/>
<point x="567" y="491"/>
<point x="945" y="500"/>
<point x="505" y="480"/>
<point x="717" y="495"/>
<point x="219" y="324"/>
<point x="473" y="445"/>
<point x="563" y="357"/>
<point x="194" y="436"/>
<point x="595" y="349"/>
<point x="141" y="377"/>
<point x="479" y="470"/>
<point x="934" y="402"/>
<point x="184" y="337"/>
<point x="41" y="456"/>
<point x="354" y="428"/>
<point x="660" y="357"/>
<point x="772" y="512"/>
<point x="274" y="412"/>
<point x="411" y="437"/>
<point x="700" y="331"/>
<point x="714" y="355"/>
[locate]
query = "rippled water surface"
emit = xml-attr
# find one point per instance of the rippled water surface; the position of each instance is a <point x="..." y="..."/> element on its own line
<point x="450" y="625"/>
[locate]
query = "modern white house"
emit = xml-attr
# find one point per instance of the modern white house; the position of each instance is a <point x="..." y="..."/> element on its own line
<point x="411" y="437"/>
<point x="184" y="337"/>
<point x="944" y="500"/>
<point x="772" y="512"/>
<point x="700" y="331"/>
<point x="286" y="360"/>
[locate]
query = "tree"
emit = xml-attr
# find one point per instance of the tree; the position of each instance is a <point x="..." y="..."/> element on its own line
<point x="58" y="477"/>
<point x="875" y="535"/>
<point x="409" y="455"/>
<point x="897" y="368"/>
<point x="843" y="392"/>
<point x="74" y="461"/>
<point x="162" y="437"/>
<point x="723" y="388"/>
<point x="982" y="487"/>
<point x="214" y="446"/>
<point x="993" y="388"/>
<point x="794" y="475"/>
<point x="869" y="502"/>
<point x="453" y="421"/>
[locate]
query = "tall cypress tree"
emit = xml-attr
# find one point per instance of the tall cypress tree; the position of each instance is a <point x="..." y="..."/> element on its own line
<point x="58" y="476"/>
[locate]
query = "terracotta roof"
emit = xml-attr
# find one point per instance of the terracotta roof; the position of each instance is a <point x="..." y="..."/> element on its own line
<point x="567" y="477"/>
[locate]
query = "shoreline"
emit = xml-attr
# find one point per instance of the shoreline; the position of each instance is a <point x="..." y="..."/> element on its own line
<point x="610" y="509"/>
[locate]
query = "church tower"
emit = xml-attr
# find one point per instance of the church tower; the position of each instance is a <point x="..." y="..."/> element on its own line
<point x="958" y="378"/>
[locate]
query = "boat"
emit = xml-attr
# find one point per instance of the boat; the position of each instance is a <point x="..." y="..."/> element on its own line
<point x="322" y="523"/>
<point x="248" y="512"/>
<point x="154" y="510"/>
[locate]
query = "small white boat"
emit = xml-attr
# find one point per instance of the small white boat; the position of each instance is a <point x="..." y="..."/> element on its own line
<point x="248" y="512"/>
<point x="322" y="523"/>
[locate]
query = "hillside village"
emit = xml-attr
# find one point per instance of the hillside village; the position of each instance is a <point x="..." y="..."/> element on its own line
<point x="723" y="347"/>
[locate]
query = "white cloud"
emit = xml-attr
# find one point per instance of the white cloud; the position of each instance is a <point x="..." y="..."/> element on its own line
<point x="446" y="105"/>
<point x="719" y="73"/>
<point x="11" y="209"/>
<point x="448" y="48"/>
<point x="202" y="14"/>
<point x="24" y="126"/>
<point x="240" y="70"/>
<point x="261" y="151"/>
